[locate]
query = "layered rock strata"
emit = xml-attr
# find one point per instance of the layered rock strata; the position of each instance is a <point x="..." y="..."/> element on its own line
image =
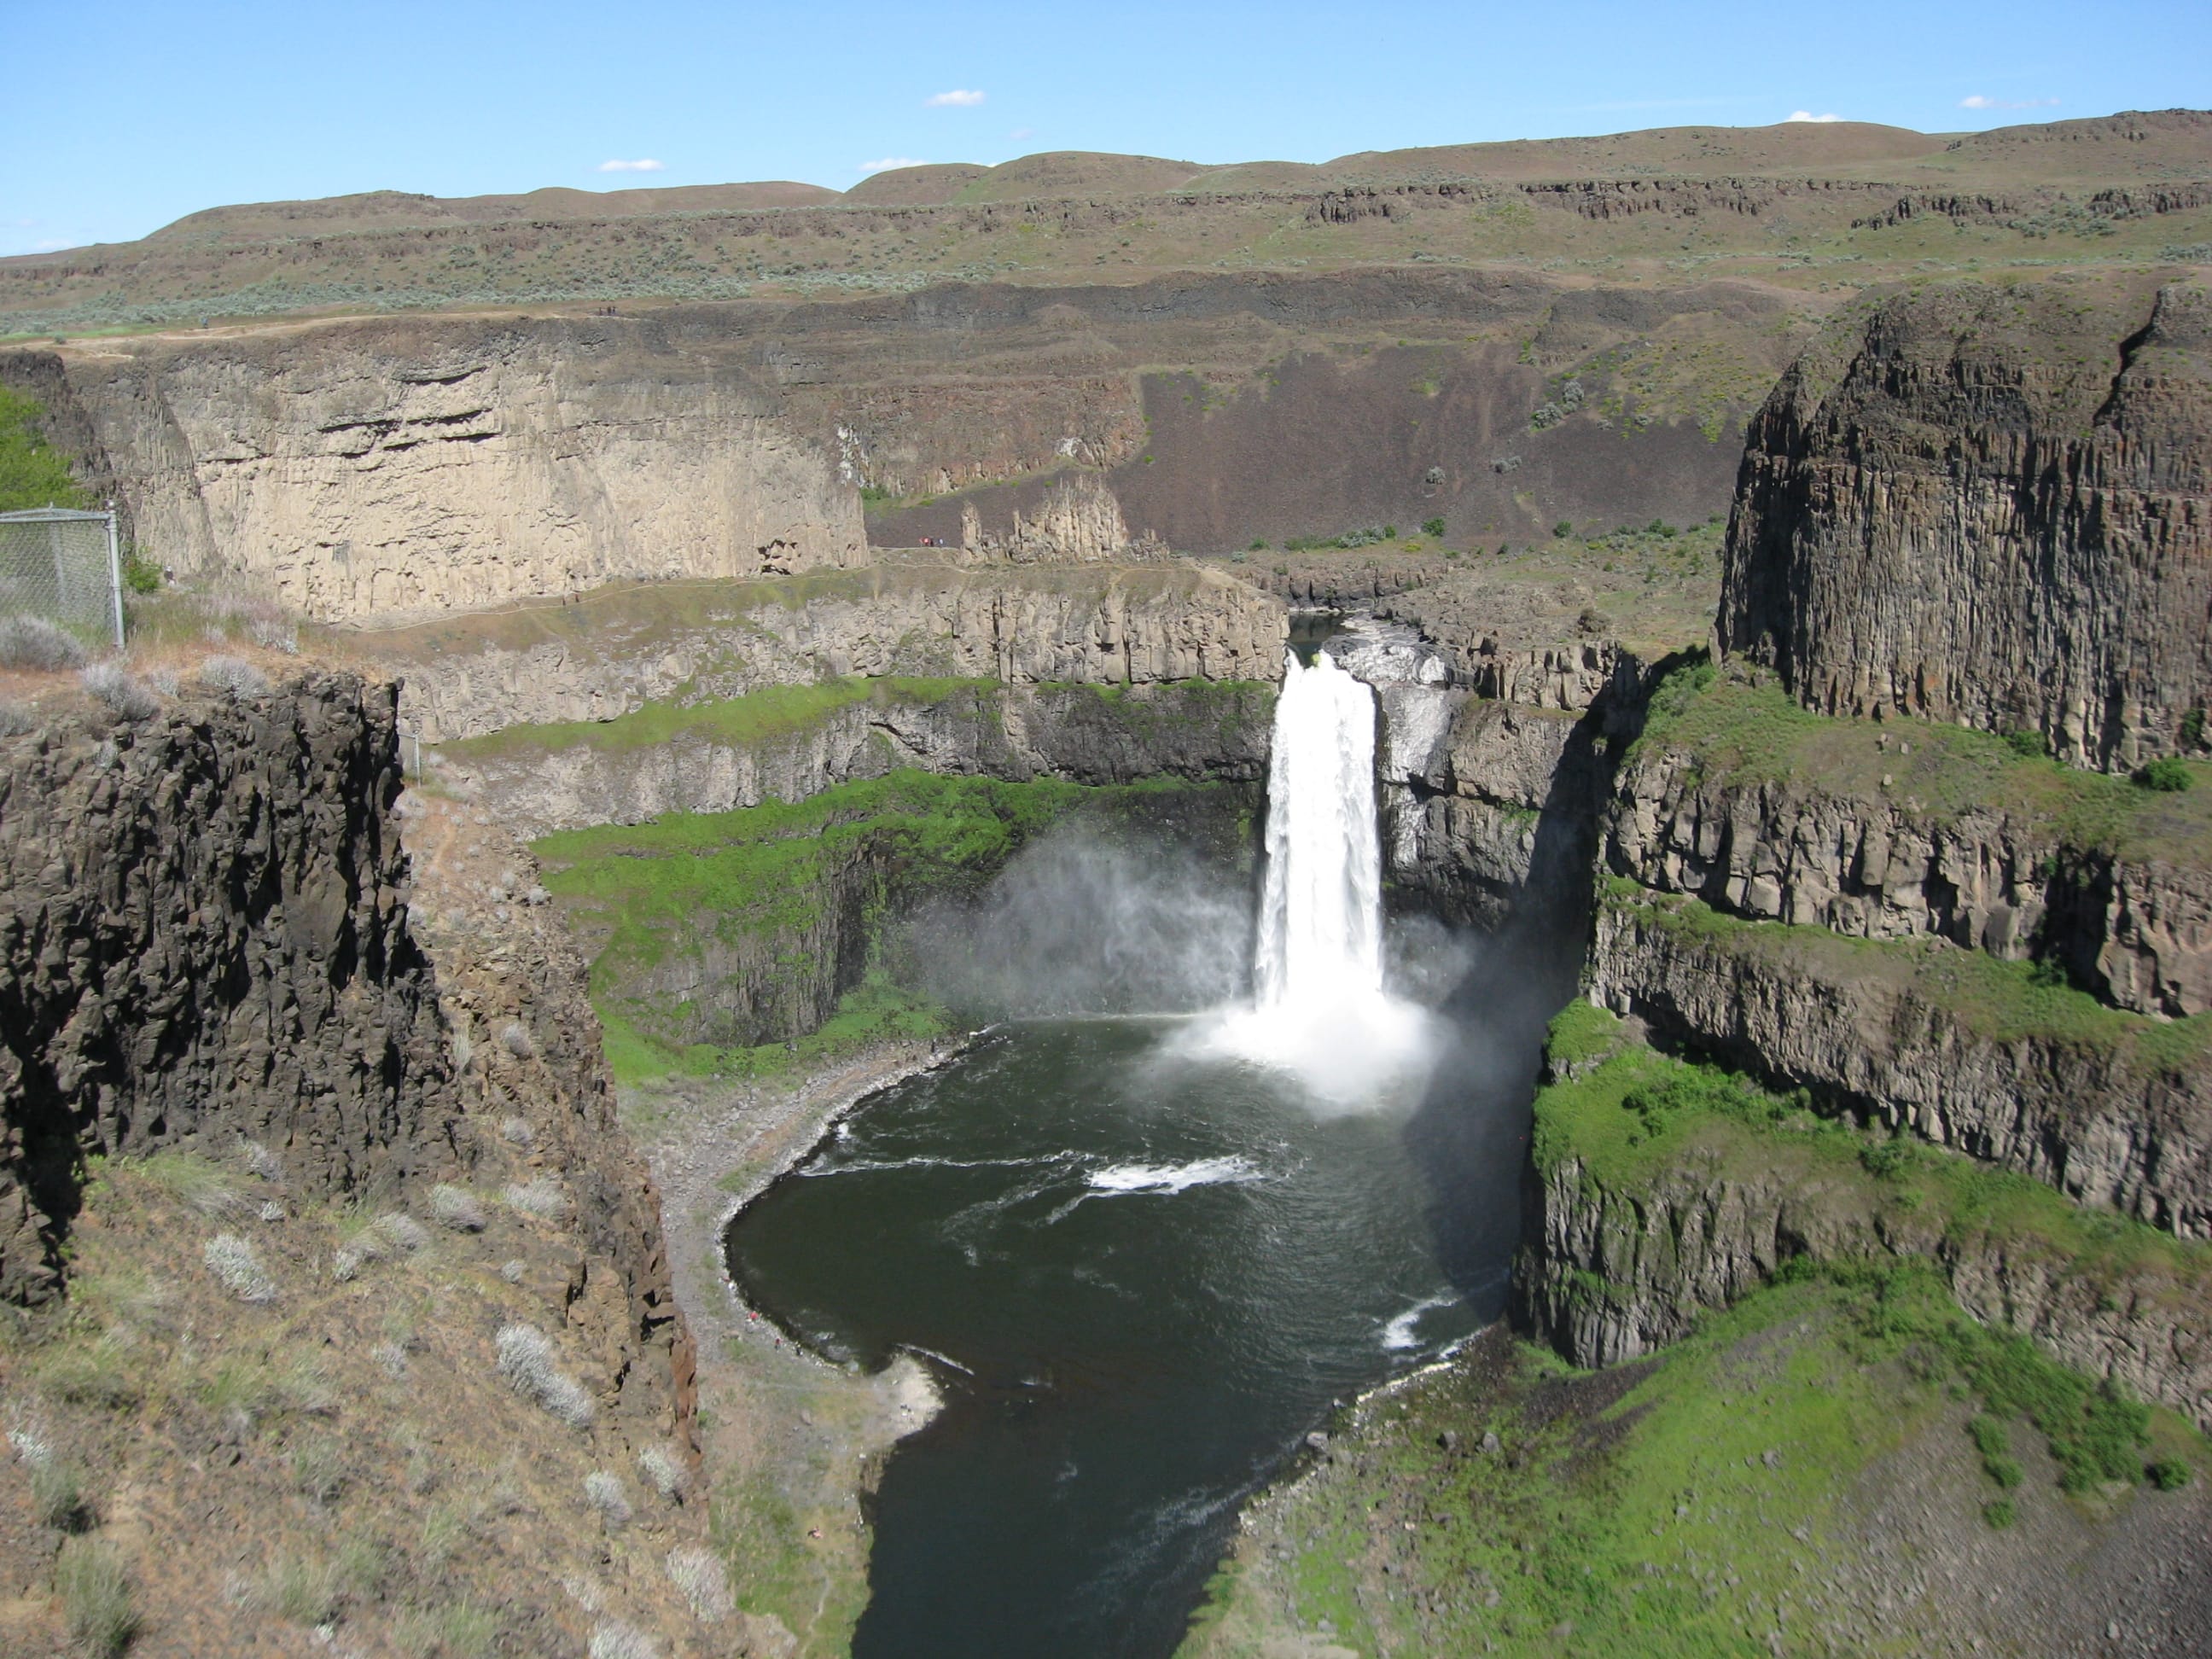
<point x="1611" y="1270"/>
<point x="1195" y="731"/>
<point x="2113" y="1110"/>
<point x="615" y="652"/>
<point x="2136" y="931"/>
<point x="1994" y="507"/>
<point x="380" y="469"/>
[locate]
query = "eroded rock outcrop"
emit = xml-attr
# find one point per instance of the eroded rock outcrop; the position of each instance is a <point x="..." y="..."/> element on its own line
<point x="203" y="936"/>
<point x="1992" y="506"/>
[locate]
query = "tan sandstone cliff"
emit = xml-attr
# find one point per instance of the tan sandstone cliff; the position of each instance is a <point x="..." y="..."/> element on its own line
<point x="369" y="471"/>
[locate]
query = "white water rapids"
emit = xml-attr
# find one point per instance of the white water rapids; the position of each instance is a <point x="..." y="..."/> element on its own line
<point x="1320" y="1010"/>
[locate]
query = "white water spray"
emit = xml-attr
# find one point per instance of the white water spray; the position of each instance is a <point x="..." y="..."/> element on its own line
<point x="1319" y="1011"/>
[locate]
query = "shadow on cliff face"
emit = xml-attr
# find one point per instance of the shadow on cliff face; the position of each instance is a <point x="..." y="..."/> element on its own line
<point x="1469" y="1135"/>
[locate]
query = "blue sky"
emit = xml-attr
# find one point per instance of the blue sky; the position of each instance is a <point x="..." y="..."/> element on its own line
<point x="121" y="117"/>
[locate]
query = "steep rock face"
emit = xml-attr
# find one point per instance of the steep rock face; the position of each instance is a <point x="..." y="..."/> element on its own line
<point x="1609" y="1271"/>
<point x="203" y="936"/>
<point x="1078" y="522"/>
<point x="1486" y="806"/>
<point x="613" y="653"/>
<point x="1192" y="731"/>
<point x="2138" y="932"/>
<point x="2111" y="1112"/>
<point x="376" y="470"/>
<point x="1993" y="506"/>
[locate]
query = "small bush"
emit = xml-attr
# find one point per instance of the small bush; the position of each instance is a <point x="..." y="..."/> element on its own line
<point x="194" y="1181"/>
<point x="234" y="676"/>
<point x="58" y="1494"/>
<point x="2167" y="1474"/>
<point x="2028" y="745"/>
<point x="95" y="1596"/>
<point x="526" y="1360"/>
<point x="514" y="1037"/>
<point x="451" y="1207"/>
<point x="704" y="1584"/>
<point x="274" y="633"/>
<point x="124" y="696"/>
<point x="1886" y="1158"/>
<point x="15" y="719"/>
<point x="391" y="1359"/>
<point x="1433" y="529"/>
<point x="1564" y="529"/>
<point x="2167" y="776"/>
<point x="1999" y="1514"/>
<point x="318" y="1470"/>
<point x="237" y="1264"/>
<point x="541" y="1198"/>
<point x="463" y="1630"/>
<point x="140" y="574"/>
<point x="304" y="1591"/>
<point x="28" y="641"/>
<point x="603" y="1491"/>
<point x="662" y="1470"/>
<point x="516" y="1131"/>
<point x="402" y="1231"/>
<point x="615" y="1640"/>
<point x="96" y="1374"/>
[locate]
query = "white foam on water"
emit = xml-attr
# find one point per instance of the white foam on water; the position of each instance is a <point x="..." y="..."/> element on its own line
<point x="1171" y="1177"/>
<point x="1403" y="1332"/>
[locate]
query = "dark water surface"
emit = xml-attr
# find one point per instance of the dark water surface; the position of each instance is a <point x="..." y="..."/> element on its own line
<point x="1139" y="1281"/>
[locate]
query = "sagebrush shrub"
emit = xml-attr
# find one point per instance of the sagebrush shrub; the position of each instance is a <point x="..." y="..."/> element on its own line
<point x="28" y="641"/>
<point x="233" y="675"/>
<point x="451" y="1206"/>
<point x="526" y="1361"/>
<point x="615" y="1640"/>
<point x="541" y="1198"/>
<point x="113" y="686"/>
<point x="699" y="1575"/>
<point x="603" y="1491"/>
<point x="663" y="1471"/>
<point x="237" y="1264"/>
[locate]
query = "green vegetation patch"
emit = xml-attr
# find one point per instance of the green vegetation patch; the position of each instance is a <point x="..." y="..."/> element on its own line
<point x="1740" y="734"/>
<point x="761" y="716"/>
<point x="1640" y="1116"/>
<point x="664" y="901"/>
<point x="2000" y="1001"/>
<point x="1691" y="1505"/>
<point x="31" y="473"/>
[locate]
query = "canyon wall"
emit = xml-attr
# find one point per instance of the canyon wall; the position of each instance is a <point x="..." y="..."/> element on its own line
<point x="613" y="652"/>
<point x="369" y="471"/>
<point x="1993" y="506"/>
<point x="1195" y="731"/>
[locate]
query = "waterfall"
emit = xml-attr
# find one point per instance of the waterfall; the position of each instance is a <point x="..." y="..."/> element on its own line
<point x="1321" y="921"/>
<point x="1320" y="1012"/>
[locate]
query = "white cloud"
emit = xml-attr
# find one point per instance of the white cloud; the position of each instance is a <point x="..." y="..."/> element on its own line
<point x="1978" y="101"/>
<point x="888" y="163"/>
<point x="1807" y="115"/>
<point x="645" y="166"/>
<point x="953" y="100"/>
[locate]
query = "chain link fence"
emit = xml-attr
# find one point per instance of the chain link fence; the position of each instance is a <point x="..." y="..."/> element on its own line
<point x="63" y="566"/>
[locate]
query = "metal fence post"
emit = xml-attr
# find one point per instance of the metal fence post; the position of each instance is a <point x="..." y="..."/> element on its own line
<point x="115" y="575"/>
